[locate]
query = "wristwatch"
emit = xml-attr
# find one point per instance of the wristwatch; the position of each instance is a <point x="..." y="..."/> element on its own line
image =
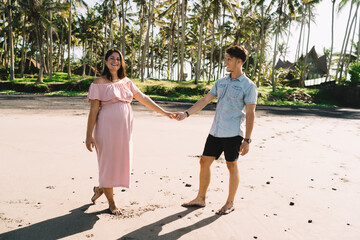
<point x="248" y="140"/>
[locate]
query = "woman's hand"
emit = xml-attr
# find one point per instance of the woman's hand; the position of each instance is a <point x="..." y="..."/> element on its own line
<point x="169" y="114"/>
<point x="90" y="143"/>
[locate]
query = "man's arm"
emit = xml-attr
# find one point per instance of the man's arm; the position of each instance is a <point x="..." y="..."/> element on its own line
<point x="250" y="118"/>
<point x="197" y="107"/>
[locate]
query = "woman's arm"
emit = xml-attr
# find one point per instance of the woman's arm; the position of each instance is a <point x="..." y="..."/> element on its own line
<point x="142" y="98"/>
<point x="197" y="107"/>
<point x="94" y="110"/>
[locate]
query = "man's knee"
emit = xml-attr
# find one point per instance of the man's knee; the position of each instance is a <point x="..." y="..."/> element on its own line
<point x="232" y="166"/>
<point x="206" y="161"/>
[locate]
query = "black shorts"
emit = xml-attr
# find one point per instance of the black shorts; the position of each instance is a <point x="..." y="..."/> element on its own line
<point x="230" y="146"/>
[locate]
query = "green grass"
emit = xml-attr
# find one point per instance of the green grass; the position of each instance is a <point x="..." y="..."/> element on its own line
<point x="186" y="91"/>
<point x="58" y="77"/>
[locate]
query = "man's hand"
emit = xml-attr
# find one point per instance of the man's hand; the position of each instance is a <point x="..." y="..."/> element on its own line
<point x="244" y="148"/>
<point x="180" y="116"/>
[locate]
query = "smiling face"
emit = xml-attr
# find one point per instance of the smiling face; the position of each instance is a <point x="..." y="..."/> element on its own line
<point x="232" y="63"/>
<point x="113" y="62"/>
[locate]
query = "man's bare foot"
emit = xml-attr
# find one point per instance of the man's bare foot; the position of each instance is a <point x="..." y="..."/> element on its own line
<point x="114" y="209"/>
<point x="97" y="193"/>
<point x="226" y="209"/>
<point x="200" y="203"/>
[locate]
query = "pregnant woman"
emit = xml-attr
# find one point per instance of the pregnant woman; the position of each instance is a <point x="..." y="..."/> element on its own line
<point x="109" y="127"/>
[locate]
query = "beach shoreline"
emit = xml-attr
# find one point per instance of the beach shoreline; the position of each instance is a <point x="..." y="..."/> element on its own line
<point x="299" y="181"/>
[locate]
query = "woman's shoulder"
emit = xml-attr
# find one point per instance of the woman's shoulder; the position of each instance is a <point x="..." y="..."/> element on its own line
<point x="100" y="80"/>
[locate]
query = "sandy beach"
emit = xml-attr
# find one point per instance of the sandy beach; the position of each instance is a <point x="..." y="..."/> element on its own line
<point x="300" y="180"/>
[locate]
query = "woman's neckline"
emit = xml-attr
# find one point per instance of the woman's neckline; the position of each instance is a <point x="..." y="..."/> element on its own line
<point x="119" y="81"/>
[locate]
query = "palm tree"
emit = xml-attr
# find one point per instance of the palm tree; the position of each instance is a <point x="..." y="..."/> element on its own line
<point x="279" y="11"/>
<point x="170" y="12"/>
<point x="203" y="10"/>
<point x="342" y="59"/>
<point x="308" y="4"/>
<point x="150" y="19"/>
<point x="11" y="41"/>
<point x="341" y="5"/>
<point x="183" y="27"/>
<point x="332" y="37"/>
<point x="282" y="6"/>
<point x="71" y="3"/>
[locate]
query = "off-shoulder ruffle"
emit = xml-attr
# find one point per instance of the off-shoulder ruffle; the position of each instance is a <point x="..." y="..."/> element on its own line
<point x="123" y="90"/>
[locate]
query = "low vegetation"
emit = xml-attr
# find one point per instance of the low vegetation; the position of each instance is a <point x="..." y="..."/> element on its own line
<point x="166" y="90"/>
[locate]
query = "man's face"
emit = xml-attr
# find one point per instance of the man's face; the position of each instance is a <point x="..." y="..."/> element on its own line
<point x="231" y="63"/>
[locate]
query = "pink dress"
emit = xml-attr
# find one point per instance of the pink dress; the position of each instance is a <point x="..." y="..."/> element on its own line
<point x="113" y="131"/>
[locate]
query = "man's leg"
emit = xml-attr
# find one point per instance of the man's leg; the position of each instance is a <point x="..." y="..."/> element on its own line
<point x="234" y="179"/>
<point x="205" y="176"/>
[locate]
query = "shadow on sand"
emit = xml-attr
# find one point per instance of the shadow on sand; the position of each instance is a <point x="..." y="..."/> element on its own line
<point x="75" y="222"/>
<point x="153" y="230"/>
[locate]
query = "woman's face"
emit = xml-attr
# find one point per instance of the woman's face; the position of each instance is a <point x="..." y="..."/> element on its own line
<point x="113" y="62"/>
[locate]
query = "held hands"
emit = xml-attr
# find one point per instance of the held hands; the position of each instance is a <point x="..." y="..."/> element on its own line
<point x="180" y="116"/>
<point x="170" y="115"/>
<point x="177" y="115"/>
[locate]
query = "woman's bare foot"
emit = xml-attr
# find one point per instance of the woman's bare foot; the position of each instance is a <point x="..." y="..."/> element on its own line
<point x="197" y="202"/>
<point x="114" y="209"/>
<point x="97" y="193"/>
<point x="226" y="209"/>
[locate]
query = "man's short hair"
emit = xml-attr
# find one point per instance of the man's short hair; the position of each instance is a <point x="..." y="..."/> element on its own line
<point x="238" y="52"/>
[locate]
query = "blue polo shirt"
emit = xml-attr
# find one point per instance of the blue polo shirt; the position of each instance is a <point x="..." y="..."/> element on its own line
<point x="232" y="95"/>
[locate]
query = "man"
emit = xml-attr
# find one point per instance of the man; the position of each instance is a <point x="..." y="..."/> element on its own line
<point x="237" y="96"/>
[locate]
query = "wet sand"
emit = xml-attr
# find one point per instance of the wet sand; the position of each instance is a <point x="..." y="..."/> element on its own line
<point x="300" y="180"/>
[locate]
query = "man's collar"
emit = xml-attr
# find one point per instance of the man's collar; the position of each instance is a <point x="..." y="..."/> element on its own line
<point x="238" y="78"/>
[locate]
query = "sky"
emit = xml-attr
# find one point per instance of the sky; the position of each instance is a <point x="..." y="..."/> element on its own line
<point x="320" y="35"/>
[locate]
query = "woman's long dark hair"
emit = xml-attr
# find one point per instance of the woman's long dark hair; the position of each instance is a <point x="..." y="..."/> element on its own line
<point x="121" y="72"/>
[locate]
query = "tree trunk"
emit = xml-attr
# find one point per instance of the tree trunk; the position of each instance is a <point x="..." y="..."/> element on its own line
<point x="84" y="58"/>
<point x="288" y="38"/>
<point x="62" y="50"/>
<point x="212" y="47"/>
<point x="347" y="41"/>
<point x="141" y="33"/>
<point x="111" y="42"/>
<point x="171" y="46"/>
<point x="123" y="29"/>
<point x="51" y="47"/>
<point x="11" y="42"/>
<point x="39" y="43"/>
<point x="23" y="59"/>
<point x="275" y="47"/>
<point x="5" y="46"/>
<point x="183" y="26"/>
<point x="90" y="56"/>
<point x="146" y="42"/>
<point x="178" y="42"/>
<point x="262" y="45"/>
<point x="221" y="44"/>
<point x="303" y="76"/>
<point x="257" y="42"/>
<point x="351" y="47"/>
<point x="198" y="62"/>
<point x="297" y="55"/>
<point x="69" y="43"/>
<point x="358" y="44"/>
<point x="332" y="38"/>
<point x="342" y="48"/>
